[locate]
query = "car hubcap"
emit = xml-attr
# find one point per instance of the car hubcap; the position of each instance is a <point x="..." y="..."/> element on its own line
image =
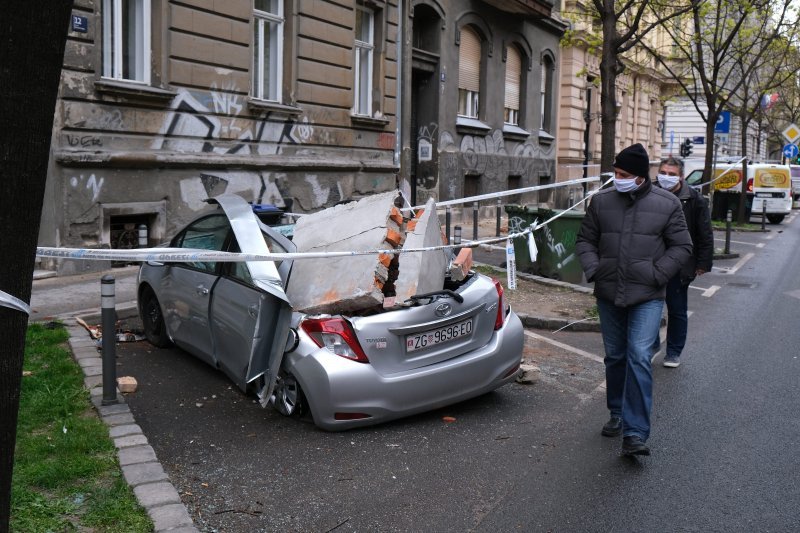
<point x="286" y="396"/>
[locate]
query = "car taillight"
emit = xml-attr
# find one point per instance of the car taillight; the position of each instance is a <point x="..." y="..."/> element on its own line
<point x="501" y="306"/>
<point x="336" y="335"/>
<point x="750" y="185"/>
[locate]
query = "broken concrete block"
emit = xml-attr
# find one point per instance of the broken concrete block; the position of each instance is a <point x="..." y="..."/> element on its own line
<point x="345" y="284"/>
<point x="528" y="374"/>
<point x="422" y="272"/>
<point x="127" y="384"/>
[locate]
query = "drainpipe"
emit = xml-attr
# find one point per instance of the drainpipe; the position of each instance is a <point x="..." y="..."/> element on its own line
<point x="398" y="130"/>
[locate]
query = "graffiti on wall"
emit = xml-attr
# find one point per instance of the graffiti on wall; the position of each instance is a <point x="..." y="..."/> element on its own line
<point x="90" y="184"/>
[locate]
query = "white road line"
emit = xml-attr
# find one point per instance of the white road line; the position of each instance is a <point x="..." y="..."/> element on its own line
<point x="567" y="347"/>
<point x="757" y="245"/>
<point x="709" y="292"/>
<point x="737" y="266"/>
<point x="770" y="237"/>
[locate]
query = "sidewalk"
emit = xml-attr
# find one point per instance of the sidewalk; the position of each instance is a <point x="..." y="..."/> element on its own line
<point x="67" y="297"/>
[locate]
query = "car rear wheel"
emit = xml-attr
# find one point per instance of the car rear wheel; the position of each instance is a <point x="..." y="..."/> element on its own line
<point x="288" y="398"/>
<point x="775" y="219"/>
<point x="153" y="321"/>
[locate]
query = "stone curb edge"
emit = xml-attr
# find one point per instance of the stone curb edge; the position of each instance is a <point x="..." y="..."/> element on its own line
<point x="137" y="459"/>
<point x="540" y="322"/>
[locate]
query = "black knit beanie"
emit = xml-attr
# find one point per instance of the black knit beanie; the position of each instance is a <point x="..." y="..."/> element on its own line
<point x="634" y="160"/>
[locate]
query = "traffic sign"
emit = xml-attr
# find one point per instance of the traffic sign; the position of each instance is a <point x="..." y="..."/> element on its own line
<point x="792" y="133"/>
<point x="723" y="124"/>
<point x="790" y="151"/>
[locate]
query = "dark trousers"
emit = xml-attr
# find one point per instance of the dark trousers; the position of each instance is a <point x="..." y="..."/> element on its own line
<point x="677" y="300"/>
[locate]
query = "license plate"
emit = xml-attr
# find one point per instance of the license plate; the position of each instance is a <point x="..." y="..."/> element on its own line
<point x="437" y="336"/>
<point x="769" y="195"/>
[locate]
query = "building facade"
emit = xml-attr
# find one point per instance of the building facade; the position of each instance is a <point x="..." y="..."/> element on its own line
<point x="163" y="104"/>
<point x="480" y="96"/>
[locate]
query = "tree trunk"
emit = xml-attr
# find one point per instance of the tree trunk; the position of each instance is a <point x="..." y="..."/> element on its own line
<point x="32" y="43"/>
<point x="608" y="94"/>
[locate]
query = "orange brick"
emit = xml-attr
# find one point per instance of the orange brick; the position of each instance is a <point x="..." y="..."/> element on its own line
<point x="396" y="216"/>
<point x="412" y="224"/>
<point x="385" y="259"/>
<point x="379" y="283"/>
<point x="393" y="238"/>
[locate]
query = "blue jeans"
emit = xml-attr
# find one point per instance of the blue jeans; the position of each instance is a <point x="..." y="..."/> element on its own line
<point x="677" y="319"/>
<point x="628" y="336"/>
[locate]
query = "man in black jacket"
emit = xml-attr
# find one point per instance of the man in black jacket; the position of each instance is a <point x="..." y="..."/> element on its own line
<point x="698" y="221"/>
<point x="632" y="241"/>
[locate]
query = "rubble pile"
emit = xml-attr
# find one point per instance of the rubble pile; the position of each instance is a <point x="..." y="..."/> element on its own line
<point x="355" y="283"/>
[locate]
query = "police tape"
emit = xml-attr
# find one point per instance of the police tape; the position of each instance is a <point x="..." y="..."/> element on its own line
<point x="192" y="255"/>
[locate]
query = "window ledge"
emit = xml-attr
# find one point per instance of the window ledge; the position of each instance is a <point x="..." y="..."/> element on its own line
<point x="513" y="132"/>
<point x="369" y="122"/>
<point x="273" y="107"/>
<point x="133" y="90"/>
<point x="545" y="138"/>
<point x="471" y="126"/>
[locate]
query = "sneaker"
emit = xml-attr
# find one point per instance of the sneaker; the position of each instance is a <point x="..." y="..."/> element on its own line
<point x="634" y="445"/>
<point x="672" y="361"/>
<point x="613" y="427"/>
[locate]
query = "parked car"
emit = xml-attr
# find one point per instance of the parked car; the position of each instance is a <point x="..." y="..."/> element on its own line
<point x="346" y="371"/>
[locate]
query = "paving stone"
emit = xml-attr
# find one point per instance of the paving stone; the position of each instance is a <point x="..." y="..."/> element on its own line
<point x="113" y="409"/>
<point x="81" y="343"/>
<point x="93" y="371"/>
<point x="93" y="381"/>
<point x="171" y="517"/>
<point x="157" y="494"/>
<point x="83" y="353"/>
<point x="122" y="431"/>
<point x="137" y="474"/>
<point x="182" y="529"/>
<point x="90" y="361"/>
<point x="136" y="454"/>
<point x="130" y="440"/>
<point x="119" y="420"/>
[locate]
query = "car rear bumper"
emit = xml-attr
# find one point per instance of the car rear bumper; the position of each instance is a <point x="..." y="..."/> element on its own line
<point x="334" y="384"/>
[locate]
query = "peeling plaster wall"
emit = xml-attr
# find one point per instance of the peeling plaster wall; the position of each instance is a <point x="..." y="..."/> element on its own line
<point x="197" y="133"/>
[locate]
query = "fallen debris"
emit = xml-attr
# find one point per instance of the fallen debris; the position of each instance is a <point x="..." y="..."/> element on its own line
<point x="528" y="374"/>
<point x="127" y="384"/>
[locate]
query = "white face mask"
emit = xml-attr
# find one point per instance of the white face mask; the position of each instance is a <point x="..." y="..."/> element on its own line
<point x="625" y="185"/>
<point x="668" y="182"/>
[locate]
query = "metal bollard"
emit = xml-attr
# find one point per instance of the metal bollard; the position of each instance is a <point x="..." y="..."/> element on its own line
<point x="763" y="214"/>
<point x="728" y="232"/>
<point x="447" y="217"/>
<point x="109" y="320"/>
<point x="474" y="221"/>
<point x="497" y="215"/>
<point x="142" y="236"/>
<point x="457" y="236"/>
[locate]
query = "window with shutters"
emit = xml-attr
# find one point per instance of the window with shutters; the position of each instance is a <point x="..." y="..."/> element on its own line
<point x="469" y="73"/>
<point x="513" y="86"/>
<point x="268" y="25"/>
<point x="126" y="40"/>
<point x="365" y="50"/>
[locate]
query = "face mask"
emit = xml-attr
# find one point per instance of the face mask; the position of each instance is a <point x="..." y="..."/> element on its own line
<point x="668" y="182"/>
<point x="627" y="185"/>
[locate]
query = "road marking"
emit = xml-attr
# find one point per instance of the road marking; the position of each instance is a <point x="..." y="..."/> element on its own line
<point x="770" y="237"/>
<point x="737" y="266"/>
<point x="709" y="292"/>
<point x="567" y="347"/>
<point x="757" y="245"/>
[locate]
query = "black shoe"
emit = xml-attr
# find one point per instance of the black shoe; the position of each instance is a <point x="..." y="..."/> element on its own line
<point x="613" y="427"/>
<point x="634" y="445"/>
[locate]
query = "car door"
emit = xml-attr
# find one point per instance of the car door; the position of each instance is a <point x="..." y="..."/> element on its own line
<point x="251" y="315"/>
<point x="187" y="289"/>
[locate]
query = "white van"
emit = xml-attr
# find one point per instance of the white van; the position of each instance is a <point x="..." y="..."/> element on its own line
<point x="795" y="170"/>
<point x="767" y="185"/>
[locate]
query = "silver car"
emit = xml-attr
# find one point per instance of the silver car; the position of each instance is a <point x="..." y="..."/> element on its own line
<point x="346" y="371"/>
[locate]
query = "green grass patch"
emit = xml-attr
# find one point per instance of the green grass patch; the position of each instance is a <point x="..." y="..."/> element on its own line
<point x="747" y="226"/>
<point x="66" y="475"/>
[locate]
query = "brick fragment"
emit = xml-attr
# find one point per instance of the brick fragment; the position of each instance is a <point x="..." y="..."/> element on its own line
<point x="394" y="238"/>
<point x="127" y="384"/>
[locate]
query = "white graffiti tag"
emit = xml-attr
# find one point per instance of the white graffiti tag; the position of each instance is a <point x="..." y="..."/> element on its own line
<point x="91" y="183"/>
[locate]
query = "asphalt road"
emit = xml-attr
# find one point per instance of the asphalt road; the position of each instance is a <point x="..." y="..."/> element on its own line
<point x="525" y="457"/>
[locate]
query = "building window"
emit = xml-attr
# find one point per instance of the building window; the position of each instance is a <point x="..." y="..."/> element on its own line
<point x="268" y="49"/>
<point x="469" y="73"/>
<point x="365" y="50"/>
<point x="547" y="94"/>
<point x="513" y="85"/>
<point x="126" y="40"/>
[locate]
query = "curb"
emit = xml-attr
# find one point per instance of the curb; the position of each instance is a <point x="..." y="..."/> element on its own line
<point x="552" y="323"/>
<point x="137" y="459"/>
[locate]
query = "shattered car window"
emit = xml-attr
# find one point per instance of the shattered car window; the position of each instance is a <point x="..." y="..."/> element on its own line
<point x="206" y="234"/>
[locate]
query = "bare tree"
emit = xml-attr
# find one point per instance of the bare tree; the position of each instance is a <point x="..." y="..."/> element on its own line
<point x="716" y="49"/>
<point x="32" y="43"/>
<point x="626" y="25"/>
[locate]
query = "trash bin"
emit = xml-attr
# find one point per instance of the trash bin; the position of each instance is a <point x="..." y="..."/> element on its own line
<point x="555" y="243"/>
<point x="556" y="246"/>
